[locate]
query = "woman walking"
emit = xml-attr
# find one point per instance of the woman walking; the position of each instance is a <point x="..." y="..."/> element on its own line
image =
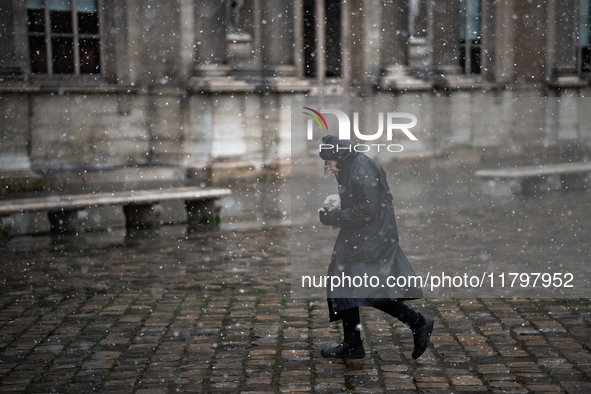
<point x="367" y="247"/>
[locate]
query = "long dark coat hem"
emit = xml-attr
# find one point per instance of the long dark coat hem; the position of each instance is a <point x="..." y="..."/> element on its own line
<point x="368" y="238"/>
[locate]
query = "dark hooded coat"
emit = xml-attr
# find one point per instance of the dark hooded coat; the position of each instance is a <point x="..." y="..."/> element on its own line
<point x="367" y="243"/>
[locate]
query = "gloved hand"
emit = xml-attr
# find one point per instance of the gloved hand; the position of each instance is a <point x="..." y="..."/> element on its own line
<point x="329" y="218"/>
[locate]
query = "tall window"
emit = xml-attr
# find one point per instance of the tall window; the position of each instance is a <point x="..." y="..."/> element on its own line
<point x="333" y="39"/>
<point x="310" y="55"/>
<point x="470" y="36"/>
<point x="64" y="36"/>
<point x="585" y="41"/>
<point x="327" y="36"/>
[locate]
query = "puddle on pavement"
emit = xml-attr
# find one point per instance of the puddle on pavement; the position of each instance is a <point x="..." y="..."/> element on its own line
<point x="444" y="222"/>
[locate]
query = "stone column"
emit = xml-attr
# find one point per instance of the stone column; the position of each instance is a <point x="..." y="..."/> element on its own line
<point x="320" y="43"/>
<point x="562" y="60"/>
<point x="500" y="68"/>
<point x="488" y="44"/>
<point x="277" y="38"/>
<point x="12" y="33"/>
<point x="116" y="43"/>
<point x="562" y="116"/>
<point x="370" y="29"/>
<point x="420" y="14"/>
<point x="419" y="50"/>
<point x="565" y="41"/>
<point x="396" y="39"/>
<point x="15" y="165"/>
<point x="444" y="37"/>
<point x="395" y="33"/>
<point x="210" y="39"/>
<point x="298" y="33"/>
<point x="7" y="54"/>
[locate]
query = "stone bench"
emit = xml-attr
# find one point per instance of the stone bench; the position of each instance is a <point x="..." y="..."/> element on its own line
<point x="67" y="214"/>
<point x="535" y="179"/>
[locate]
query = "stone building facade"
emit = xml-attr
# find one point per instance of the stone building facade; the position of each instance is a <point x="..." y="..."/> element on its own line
<point x="196" y="90"/>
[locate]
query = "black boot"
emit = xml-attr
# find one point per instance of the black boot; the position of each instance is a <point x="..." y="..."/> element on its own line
<point x="352" y="346"/>
<point x="421" y="332"/>
<point x="344" y="350"/>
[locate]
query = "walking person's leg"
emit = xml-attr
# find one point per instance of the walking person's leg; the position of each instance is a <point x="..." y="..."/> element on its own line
<point x="421" y="326"/>
<point x="352" y="345"/>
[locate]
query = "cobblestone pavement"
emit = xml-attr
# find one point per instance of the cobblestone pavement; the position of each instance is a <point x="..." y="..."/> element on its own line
<point x="212" y="313"/>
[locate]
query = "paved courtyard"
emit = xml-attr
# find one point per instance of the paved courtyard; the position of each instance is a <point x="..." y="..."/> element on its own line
<point x="212" y="313"/>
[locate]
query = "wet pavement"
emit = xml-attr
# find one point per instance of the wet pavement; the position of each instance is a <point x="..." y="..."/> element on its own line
<point x="212" y="312"/>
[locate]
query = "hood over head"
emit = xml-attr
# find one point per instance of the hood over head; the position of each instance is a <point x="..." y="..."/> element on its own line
<point x="337" y="150"/>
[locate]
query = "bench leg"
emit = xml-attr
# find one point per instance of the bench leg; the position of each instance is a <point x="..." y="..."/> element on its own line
<point x="142" y="216"/>
<point x="541" y="184"/>
<point x="578" y="181"/>
<point x="6" y="223"/>
<point x="68" y="222"/>
<point x="500" y="187"/>
<point x="202" y="215"/>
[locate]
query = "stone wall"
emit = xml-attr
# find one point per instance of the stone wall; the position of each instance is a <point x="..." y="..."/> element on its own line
<point x="206" y="89"/>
